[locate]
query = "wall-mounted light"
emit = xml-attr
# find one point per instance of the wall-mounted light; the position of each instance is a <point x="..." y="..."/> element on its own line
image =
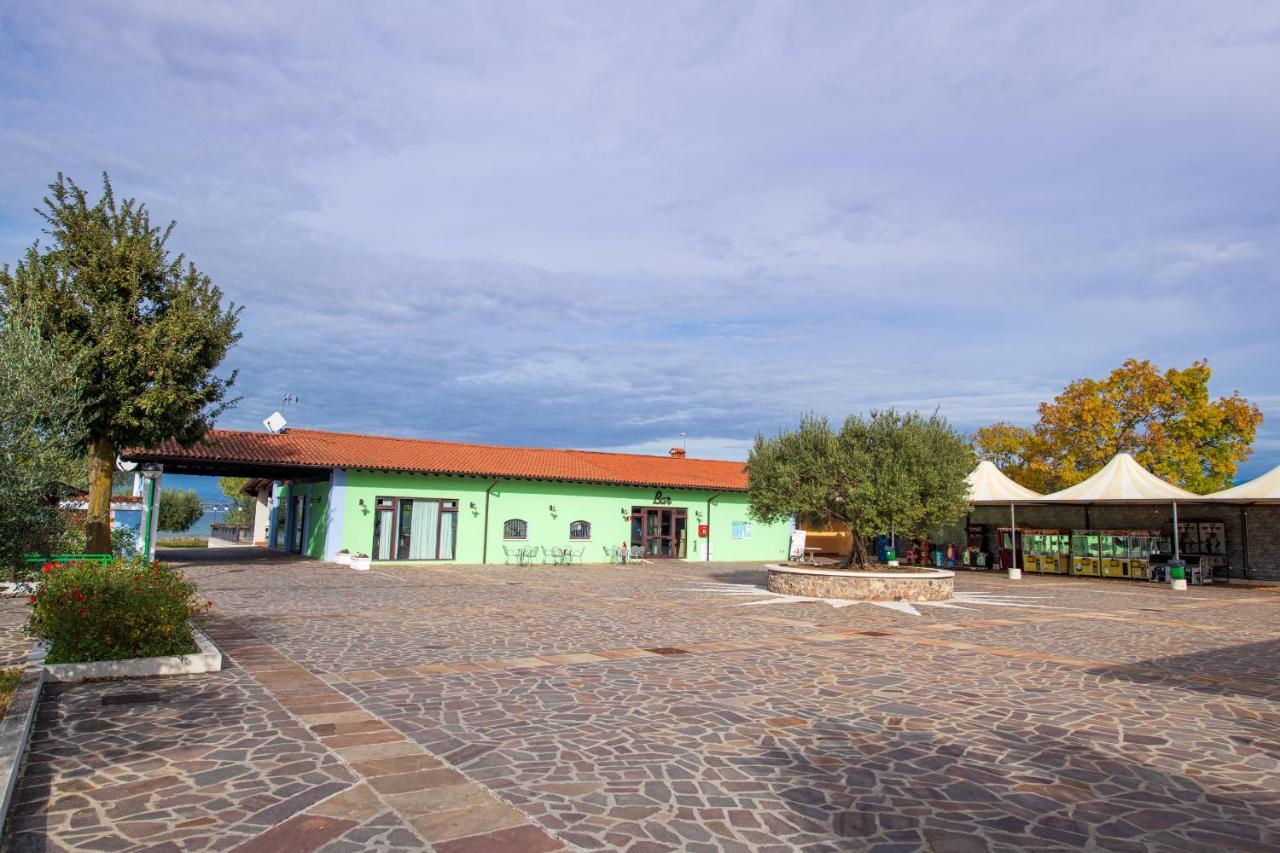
<point x="362" y="502"/>
<point x="552" y="507"/>
<point x="473" y="505"/>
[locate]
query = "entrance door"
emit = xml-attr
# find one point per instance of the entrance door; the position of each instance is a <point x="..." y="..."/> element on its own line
<point x="659" y="531"/>
<point x="299" y="523"/>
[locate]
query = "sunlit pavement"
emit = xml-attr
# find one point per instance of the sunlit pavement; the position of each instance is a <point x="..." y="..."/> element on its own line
<point x="653" y="707"/>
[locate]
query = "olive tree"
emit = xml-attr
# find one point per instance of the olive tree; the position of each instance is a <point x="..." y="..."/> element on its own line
<point x="40" y="430"/>
<point x="178" y="509"/>
<point x="891" y="470"/>
<point x="145" y="329"/>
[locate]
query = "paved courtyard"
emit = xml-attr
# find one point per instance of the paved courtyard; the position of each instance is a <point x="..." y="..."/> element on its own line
<point x="667" y="707"/>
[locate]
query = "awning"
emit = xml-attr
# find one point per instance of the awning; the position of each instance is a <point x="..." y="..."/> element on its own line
<point x="1264" y="489"/>
<point x="1122" y="480"/>
<point x="989" y="485"/>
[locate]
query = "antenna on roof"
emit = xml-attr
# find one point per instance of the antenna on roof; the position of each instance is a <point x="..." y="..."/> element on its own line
<point x="275" y="424"/>
<point x="684" y="440"/>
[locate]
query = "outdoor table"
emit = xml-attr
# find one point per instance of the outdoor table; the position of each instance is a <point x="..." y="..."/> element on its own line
<point x="525" y="555"/>
<point x="811" y="554"/>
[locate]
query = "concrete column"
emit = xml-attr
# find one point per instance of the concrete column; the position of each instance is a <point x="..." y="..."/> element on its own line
<point x="261" y="516"/>
<point x="336" y="509"/>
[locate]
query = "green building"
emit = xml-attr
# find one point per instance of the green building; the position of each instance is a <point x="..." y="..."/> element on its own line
<point x="416" y="501"/>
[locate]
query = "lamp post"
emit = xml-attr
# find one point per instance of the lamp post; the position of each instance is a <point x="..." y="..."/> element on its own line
<point x="151" y="472"/>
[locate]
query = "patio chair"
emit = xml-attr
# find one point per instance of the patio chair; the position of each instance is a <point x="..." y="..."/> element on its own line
<point x="637" y="553"/>
<point x="575" y="556"/>
<point x="506" y="551"/>
<point x="556" y="554"/>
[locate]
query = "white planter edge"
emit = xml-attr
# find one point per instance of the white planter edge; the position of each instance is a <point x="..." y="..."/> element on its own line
<point x="207" y="659"/>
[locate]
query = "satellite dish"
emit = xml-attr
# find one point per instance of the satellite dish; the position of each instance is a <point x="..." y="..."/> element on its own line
<point x="121" y="465"/>
<point x="276" y="423"/>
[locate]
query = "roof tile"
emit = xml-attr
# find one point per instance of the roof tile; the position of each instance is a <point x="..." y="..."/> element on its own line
<point x="320" y="449"/>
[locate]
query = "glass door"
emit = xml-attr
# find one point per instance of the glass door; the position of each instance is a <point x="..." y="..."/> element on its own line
<point x="662" y="531"/>
<point x="299" y="524"/>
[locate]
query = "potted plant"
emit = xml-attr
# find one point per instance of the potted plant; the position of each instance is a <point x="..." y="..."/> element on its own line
<point x="360" y="562"/>
<point x="343" y="557"/>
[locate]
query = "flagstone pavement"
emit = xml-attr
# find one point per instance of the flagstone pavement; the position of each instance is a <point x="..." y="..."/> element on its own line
<point x="642" y="708"/>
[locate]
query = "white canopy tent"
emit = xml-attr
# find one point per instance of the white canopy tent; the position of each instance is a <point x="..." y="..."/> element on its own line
<point x="1123" y="480"/>
<point x="989" y="485"/>
<point x="1264" y="489"/>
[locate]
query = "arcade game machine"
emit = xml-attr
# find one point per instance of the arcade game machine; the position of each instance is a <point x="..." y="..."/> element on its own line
<point x="1086" y="558"/>
<point x="1055" y="559"/>
<point x="1141" y="546"/>
<point x="1113" y="546"/>
<point x="1031" y="551"/>
<point x="1006" y="547"/>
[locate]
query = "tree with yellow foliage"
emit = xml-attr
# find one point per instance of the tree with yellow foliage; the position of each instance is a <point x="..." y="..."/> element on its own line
<point x="1166" y="420"/>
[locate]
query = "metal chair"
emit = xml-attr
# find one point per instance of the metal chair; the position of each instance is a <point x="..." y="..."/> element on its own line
<point x="556" y="554"/>
<point x="575" y="556"/>
<point x="637" y="553"/>
<point x="507" y="553"/>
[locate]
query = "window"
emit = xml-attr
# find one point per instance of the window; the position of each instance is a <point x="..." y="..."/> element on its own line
<point x="415" y="529"/>
<point x="580" y="530"/>
<point x="740" y="530"/>
<point x="515" y="528"/>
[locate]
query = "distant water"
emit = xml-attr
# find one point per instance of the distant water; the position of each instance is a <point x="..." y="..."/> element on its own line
<point x="200" y="529"/>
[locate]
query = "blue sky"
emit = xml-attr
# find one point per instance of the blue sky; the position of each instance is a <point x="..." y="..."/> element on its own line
<point x="602" y="225"/>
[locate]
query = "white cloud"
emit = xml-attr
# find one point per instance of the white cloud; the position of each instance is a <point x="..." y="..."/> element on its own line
<point x="600" y="226"/>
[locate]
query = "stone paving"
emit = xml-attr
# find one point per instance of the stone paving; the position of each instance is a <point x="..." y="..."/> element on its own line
<point x="628" y="708"/>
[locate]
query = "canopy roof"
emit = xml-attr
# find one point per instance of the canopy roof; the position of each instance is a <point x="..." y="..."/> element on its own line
<point x="989" y="485"/>
<point x="1123" y="480"/>
<point x="1265" y="488"/>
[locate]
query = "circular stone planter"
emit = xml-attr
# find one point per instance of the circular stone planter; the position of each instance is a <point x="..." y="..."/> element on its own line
<point x="926" y="585"/>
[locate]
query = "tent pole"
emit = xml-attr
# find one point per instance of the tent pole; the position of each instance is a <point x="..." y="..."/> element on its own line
<point x="1013" y="535"/>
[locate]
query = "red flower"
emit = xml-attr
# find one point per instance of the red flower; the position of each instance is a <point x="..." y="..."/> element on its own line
<point x="31" y="598"/>
<point x="48" y="567"/>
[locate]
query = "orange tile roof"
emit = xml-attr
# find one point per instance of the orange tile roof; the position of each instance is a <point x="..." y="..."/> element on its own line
<point x="306" y="448"/>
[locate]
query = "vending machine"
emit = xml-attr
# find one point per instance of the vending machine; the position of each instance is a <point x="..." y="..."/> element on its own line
<point x="1086" y="557"/>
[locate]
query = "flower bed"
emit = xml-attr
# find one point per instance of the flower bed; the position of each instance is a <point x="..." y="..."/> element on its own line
<point x="123" y="610"/>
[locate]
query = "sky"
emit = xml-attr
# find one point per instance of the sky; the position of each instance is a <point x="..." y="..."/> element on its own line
<point x="602" y="225"/>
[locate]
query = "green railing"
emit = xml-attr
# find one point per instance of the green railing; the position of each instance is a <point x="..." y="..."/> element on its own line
<point x="36" y="559"/>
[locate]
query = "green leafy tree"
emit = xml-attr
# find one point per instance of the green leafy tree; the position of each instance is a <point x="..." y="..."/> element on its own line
<point x="888" y="471"/>
<point x="40" y="430"/>
<point x="145" y="328"/>
<point x="243" y="507"/>
<point x="179" y="509"/>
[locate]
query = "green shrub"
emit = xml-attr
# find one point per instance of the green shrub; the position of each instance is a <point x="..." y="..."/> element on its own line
<point x="125" y="609"/>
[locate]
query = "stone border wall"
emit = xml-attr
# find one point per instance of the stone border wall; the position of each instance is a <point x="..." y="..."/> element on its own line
<point x="863" y="586"/>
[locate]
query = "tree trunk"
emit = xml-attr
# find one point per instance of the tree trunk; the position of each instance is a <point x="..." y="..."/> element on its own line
<point x="102" y="464"/>
<point x="857" y="552"/>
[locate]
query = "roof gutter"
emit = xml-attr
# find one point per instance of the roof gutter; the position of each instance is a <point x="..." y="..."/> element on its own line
<point x="484" y="551"/>
<point x="709" y="500"/>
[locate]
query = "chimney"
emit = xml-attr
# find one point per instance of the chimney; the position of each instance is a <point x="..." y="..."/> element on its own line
<point x="676" y="452"/>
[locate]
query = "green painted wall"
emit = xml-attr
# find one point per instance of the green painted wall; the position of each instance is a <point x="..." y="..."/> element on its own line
<point x="317" y="515"/>
<point x="603" y="506"/>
